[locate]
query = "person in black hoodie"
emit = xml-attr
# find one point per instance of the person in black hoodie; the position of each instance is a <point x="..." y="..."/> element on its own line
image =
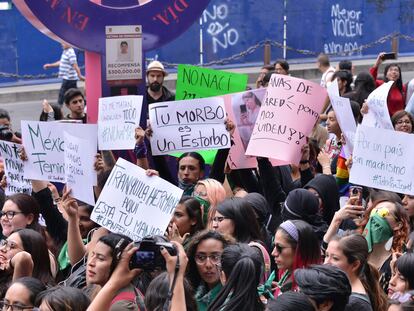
<point x="302" y="204"/>
<point x="324" y="187"/>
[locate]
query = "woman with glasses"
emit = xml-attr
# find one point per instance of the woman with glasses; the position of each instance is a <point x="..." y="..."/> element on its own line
<point x="403" y="121"/>
<point x="204" y="254"/>
<point x="209" y="192"/>
<point x="24" y="253"/>
<point x="19" y="211"/>
<point x="186" y="220"/>
<point x="296" y="246"/>
<point x="240" y="271"/>
<point x="22" y="294"/>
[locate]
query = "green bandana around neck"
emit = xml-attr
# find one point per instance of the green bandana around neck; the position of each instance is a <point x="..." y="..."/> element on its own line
<point x="206" y="207"/>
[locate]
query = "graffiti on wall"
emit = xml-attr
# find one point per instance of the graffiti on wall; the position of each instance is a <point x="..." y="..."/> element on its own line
<point x="347" y="28"/>
<point x="219" y="27"/>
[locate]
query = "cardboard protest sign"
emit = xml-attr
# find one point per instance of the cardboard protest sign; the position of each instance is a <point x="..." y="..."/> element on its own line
<point x="378" y="115"/>
<point x="196" y="82"/>
<point x="188" y="125"/>
<point x="333" y="88"/>
<point x="289" y="111"/>
<point x="344" y="116"/>
<point x="79" y="158"/>
<point x="14" y="169"/>
<point x="383" y="159"/>
<point x="117" y="120"/>
<point x="45" y="146"/>
<point x="135" y="204"/>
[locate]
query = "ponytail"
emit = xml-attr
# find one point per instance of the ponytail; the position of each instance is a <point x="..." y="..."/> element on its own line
<point x="370" y="280"/>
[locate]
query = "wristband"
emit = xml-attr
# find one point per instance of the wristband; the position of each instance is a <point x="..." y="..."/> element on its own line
<point x="140" y="150"/>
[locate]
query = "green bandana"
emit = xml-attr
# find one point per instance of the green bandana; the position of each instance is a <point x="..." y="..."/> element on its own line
<point x="377" y="230"/>
<point x="206" y="207"/>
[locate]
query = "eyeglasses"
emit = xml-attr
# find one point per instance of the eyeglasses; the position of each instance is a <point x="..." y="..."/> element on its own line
<point x="219" y="218"/>
<point x="201" y="259"/>
<point x="8" y="245"/>
<point x="280" y="248"/>
<point x="5" y="306"/>
<point x="9" y="214"/>
<point x="401" y="122"/>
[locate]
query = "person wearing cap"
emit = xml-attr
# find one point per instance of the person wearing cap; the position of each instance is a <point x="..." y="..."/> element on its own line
<point x="156" y="92"/>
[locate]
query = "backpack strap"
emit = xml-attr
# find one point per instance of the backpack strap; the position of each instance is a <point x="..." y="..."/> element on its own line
<point x="129" y="296"/>
<point x="266" y="258"/>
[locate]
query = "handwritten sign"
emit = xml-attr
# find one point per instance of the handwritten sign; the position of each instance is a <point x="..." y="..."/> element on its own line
<point x="45" y="146"/>
<point x="188" y="125"/>
<point x="287" y="115"/>
<point x="118" y="118"/>
<point x="79" y="167"/>
<point x="14" y="169"/>
<point x="383" y="159"/>
<point x="345" y="117"/>
<point x="135" y="204"/>
<point x="195" y="82"/>
<point x="378" y="115"/>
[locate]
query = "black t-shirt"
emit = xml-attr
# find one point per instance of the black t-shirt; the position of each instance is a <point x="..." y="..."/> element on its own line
<point x="358" y="302"/>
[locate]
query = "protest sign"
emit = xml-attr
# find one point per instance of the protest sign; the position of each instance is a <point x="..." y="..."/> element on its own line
<point x="288" y="114"/>
<point x="14" y="169"/>
<point x="188" y="125"/>
<point x="118" y="118"/>
<point x="135" y="204"/>
<point x="378" y="115"/>
<point x="344" y="116"/>
<point x="383" y="159"/>
<point x="333" y="88"/>
<point x="196" y="82"/>
<point x="45" y="146"/>
<point x="80" y="174"/>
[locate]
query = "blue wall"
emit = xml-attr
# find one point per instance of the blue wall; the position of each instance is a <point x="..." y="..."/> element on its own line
<point x="230" y="27"/>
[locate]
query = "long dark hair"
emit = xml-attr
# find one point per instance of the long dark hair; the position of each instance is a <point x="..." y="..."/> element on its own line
<point x="399" y="82"/>
<point x="364" y="85"/>
<point x="64" y="298"/>
<point x="355" y="248"/>
<point x="193" y="209"/>
<point x="307" y="249"/>
<point x="194" y="155"/>
<point x="192" y="271"/>
<point x="242" y="266"/>
<point x="35" y="245"/>
<point x="246" y="227"/>
<point x="117" y="243"/>
<point x="405" y="265"/>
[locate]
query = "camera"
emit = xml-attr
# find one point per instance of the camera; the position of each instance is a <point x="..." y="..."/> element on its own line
<point x="5" y="133"/>
<point x="148" y="256"/>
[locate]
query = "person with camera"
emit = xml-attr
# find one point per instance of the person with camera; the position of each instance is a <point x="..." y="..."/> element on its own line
<point x="123" y="274"/>
<point x="392" y="72"/>
<point x="6" y="132"/>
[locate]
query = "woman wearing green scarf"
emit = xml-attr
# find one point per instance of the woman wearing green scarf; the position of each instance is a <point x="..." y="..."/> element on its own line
<point x="204" y="254"/>
<point x="386" y="231"/>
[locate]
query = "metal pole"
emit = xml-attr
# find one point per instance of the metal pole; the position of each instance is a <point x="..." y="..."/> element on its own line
<point x="394" y="45"/>
<point x="284" y="28"/>
<point x="201" y="48"/>
<point x="267" y="54"/>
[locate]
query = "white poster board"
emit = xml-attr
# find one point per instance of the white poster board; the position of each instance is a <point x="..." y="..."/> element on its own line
<point x="188" y="125"/>
<point x="123" y="52"/>
<point x="383" y="159"/>
<point x="14" y="169"/>
<point x="45" y="146"/>
<point x="135" y="204"/>
<point x="378" y="115"/>
<point x="79" y="162"/>
<point x="118" y="117"/>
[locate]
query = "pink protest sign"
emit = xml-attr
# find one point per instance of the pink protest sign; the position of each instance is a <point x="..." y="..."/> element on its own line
<point x="289" y="111"/>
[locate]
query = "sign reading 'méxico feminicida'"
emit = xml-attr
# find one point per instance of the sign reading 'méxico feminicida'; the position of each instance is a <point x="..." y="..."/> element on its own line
<point x="82" y="23"/>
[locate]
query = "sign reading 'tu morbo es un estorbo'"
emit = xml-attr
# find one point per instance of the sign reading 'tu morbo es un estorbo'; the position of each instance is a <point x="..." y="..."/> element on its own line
<point x="123" y="52"/>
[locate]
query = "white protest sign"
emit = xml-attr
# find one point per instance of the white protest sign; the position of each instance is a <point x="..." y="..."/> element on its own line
<point x="378" y="114"/>
<point x="14" y="169"/>
<point x="79" y="167"/>
<point x="188" y="125"/>
<point x="346" y="120"/>
<point x="287" y="115"/>
<point x="135" y="204"/>
<point x="117" y="120"/>
<point x="333" y="88"/>
<point x="45" y="146"/>
<point x="383" y="159"/>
